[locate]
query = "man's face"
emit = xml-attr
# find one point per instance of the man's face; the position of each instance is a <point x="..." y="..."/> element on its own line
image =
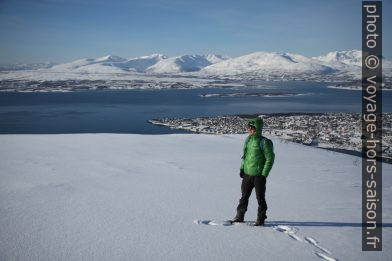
<point x="251" y="130"/>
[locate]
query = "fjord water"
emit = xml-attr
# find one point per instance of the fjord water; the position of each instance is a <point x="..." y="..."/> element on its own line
<point x="127" y="111"/>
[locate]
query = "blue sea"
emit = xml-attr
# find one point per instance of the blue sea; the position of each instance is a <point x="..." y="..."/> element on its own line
<point x="128" y="111"/>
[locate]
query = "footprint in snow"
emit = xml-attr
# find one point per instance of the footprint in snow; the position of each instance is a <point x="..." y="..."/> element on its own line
<point x="288" y="230"/>
<point x="324" y="257"/>
<point x="314" y="243"/>
<point x="291" y="232"/>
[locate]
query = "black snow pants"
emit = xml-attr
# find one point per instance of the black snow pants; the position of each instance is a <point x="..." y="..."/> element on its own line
<point x="248" y="183"/>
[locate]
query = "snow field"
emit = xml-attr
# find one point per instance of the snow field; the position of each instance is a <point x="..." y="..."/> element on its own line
<point x="136" y="197"/>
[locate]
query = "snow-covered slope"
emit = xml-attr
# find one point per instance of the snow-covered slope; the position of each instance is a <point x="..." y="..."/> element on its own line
<point x="349" y="63"/>
<point x="348" y="60"/>
<point x="78" y="64"/>
<point x="140" y="64"/>
<point x="353" y="57"/>
<point x="261" y="62"/>
<point x="110" y="64"/>
<point x="185" y="63"/>
<point x="139" y="197"/>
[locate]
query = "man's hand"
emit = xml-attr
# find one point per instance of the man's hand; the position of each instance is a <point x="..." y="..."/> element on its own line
<point x="242" y="173"/>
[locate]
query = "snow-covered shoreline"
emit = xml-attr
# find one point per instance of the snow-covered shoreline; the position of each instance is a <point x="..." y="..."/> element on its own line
<point x="136" y="197"/>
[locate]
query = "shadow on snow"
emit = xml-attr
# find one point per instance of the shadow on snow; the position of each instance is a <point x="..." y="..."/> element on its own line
<point x="320" y="224"/>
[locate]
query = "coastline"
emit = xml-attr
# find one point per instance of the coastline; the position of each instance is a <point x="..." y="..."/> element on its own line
<point x="339" y="132"/>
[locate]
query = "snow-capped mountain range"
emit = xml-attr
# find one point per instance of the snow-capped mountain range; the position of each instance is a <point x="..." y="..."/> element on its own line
<point x="268" y="62"/>
<point x="212" y="64"/>
<point x="339" y="65"/>
<point x="216" y="64"/>
<point x="156" y="63"/>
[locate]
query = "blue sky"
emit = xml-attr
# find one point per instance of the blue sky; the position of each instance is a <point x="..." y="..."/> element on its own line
<point x="61" y="30"/>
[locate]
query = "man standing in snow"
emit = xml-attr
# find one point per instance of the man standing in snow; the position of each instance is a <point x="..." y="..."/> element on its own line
<point x="257" y="160"/>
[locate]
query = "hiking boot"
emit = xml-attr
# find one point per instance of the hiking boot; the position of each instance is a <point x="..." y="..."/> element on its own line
<point x="239" y="218"/>
<point x="260" y="220"/>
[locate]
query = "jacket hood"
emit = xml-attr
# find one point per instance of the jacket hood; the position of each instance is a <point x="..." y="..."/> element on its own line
<point x="258" y="124"/>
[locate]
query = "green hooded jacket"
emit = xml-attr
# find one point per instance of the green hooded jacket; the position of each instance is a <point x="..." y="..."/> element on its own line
<point x="257" y="158"/>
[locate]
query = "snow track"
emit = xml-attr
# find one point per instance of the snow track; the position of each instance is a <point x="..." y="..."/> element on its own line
<point x="288" y="230"/>
<point x="292" y="233"/>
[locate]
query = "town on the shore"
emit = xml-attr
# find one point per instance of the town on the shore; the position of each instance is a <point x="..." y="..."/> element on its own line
<point x="339" y="131"/>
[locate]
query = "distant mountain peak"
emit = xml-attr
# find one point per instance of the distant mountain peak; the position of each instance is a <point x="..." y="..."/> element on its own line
<point x="110" y="58"/>
<point x="351" y="57"/>
<point x="154" y="55"/>
<point x="185" y="63"/>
